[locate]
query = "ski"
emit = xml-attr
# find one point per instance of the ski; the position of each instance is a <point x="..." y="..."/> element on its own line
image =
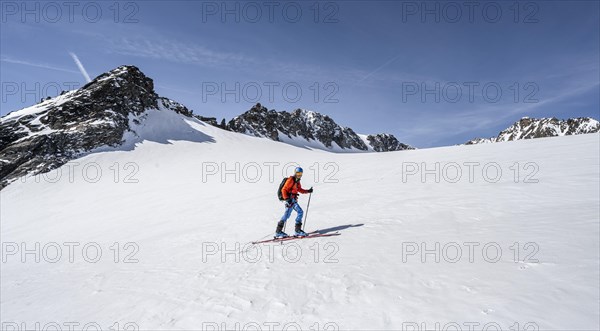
<point x="313" y="234"/>
<point x="278" y="239"/>
<point x="316" y="235"/>
<point x="274" y="240"/>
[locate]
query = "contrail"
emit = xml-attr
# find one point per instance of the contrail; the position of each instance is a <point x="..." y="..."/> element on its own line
<point x="80" y="66"/>
<point x="376" y="70"/>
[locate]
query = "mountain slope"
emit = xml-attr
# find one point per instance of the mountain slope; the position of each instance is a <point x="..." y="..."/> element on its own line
<point x="190" y="204"/>
<point x="47" y="135"/>
<point x="529" y="128"/>
<point x="42" y="137"/>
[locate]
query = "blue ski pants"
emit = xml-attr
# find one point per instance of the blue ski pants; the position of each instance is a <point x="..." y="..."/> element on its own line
<point x="288" y="211"/>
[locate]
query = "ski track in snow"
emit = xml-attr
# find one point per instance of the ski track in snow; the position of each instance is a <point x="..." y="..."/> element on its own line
<point x="173" y="215"/>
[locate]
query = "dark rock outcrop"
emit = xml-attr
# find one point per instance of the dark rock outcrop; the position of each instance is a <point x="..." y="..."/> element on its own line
<point x="385" y="142"/>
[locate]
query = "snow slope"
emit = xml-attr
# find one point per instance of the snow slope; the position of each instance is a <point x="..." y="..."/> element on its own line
<point x="363" y="278"/>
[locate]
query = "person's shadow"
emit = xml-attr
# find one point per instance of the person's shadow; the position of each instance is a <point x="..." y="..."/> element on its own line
<point x="338" y="228"/>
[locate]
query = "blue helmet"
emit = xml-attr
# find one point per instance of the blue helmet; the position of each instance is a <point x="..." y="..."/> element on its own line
<point x="298" y="170"/>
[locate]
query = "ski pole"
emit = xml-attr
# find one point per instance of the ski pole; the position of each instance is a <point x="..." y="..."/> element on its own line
<point x="306" y="215"/>
<point x="285" y="223"/>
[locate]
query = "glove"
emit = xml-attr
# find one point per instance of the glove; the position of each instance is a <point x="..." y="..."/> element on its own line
<point x="310" y="190"/>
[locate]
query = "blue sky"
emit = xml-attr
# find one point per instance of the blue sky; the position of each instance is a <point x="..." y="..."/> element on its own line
<point x="370" y="61"/>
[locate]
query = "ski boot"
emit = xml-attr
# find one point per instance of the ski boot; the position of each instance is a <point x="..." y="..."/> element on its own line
<point x="279" y="231"/>
<point x="299" y="232"/>
<point x="280" y="235"/>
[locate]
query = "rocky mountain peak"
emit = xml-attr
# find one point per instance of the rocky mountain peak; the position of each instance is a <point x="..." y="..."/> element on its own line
<point x="530" y="128"/>
<point x="42" y="137"/>
<point x="124" y="83"/>
<point x="308" y="126"/>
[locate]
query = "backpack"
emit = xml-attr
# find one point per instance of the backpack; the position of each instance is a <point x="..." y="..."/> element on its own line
<point x="279" y="193"/>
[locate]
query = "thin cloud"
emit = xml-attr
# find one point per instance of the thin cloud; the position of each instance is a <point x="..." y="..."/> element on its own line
<point x="80" y="66"/>
<point x="36" y="65"/>
<point x="196" y="54"/>
<point x="176" y="52"/>
<point x="159" y="47"/>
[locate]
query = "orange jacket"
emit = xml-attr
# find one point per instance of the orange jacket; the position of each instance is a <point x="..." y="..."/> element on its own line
<point x="291" y="187"/>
